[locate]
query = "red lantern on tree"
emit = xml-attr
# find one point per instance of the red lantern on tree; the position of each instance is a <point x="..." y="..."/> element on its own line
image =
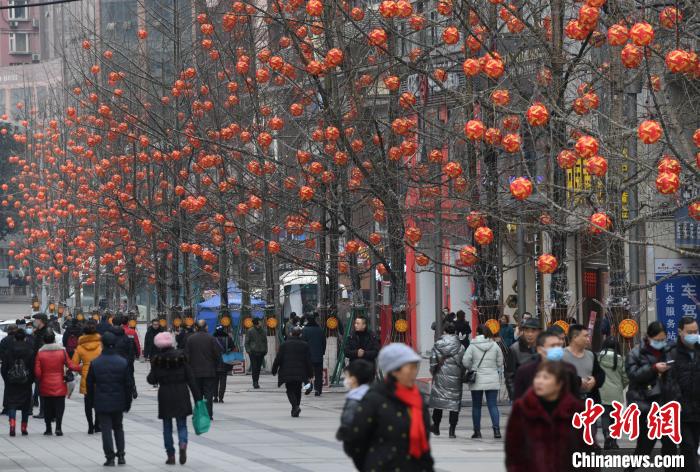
<point x="483" y="235"/>
<point x="511" y="142"/>
<point x="567" y="159"/>
<point x="413" y="234"/>
<point x="273" y="247"/>
<point x="474" y="130"/>
<point x="649" y="131"/>
<point x="597" y="165"/>
<point x="667" y="183"/>
<point x="642" y="33"/>
<point x="617" y="35"/>
<point x="476" y="219"/>
<point x="694" y="210"/>
<point x="537" y="115"/>
<point x="696" y="137"/>
<point x="450" y="35"/>
<point x="494" y="68"/>
<point x="631" y="56"/>
<point x="306" y="193"/>
<point x="587" y="146"/>
<point x="669" y="17"/>
<point x="422" y="260"/>
<point x="669" y="164"/>
<point x="547" y="264"/>
<point x="600" y="222"/>
<point x="678" y="61"/>
<point x="521" y="188"/>
<point x="467" y="255"/>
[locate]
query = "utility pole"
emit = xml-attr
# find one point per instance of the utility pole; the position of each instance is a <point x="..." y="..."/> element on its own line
<point x="521" y="269"/>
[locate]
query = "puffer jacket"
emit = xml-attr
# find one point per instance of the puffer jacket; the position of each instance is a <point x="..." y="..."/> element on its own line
<point x="173" y="375"/>
<point x="446" y="367"/>
<point x="646" y="385"/>
<point x="488" y="375"/>
<point x="89" y="347"/>
<point x="49" y="370"/>
<point x="686" y="375"/>
<point x="109" y="382"/>
<point x="615" y="378"/>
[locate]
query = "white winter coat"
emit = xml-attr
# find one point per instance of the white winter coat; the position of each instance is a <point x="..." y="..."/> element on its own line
<point x="488" y="375"/>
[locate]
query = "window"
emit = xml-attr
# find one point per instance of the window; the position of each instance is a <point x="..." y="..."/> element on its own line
<point x="19" y="43"/>
<point x="20" y="11"/>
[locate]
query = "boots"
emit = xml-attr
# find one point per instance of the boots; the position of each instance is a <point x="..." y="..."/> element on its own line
<point x="120" y="458"/>
<point x="24" y="428"/>
<point x="48" y="431"/>
<point x="109" y="462"/>
<point x="435" y="428"/>
<point x="13" y="423"/>
<point x="183" y="454"/>
<point x="453" y="427"/>
<point x="59" y="430"/>
<point x="496" y="432"/>
<point x="171" y="459"/>
<point x="477" y="434"/>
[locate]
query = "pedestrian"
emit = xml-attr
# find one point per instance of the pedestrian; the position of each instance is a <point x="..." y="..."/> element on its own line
<point x="447" y="370"/>
<point x="522" y="350"/>
<point x="612" y="390"/>
<point x="17" y="373"/>
<point x="256" y="347"/>
<point x="507" y="332"/>
<point x="104" y="325"/>
<point x="362" y="343"/>
<point x="49" y="369"/>
<point x="5" y="346"/>
<point x="521" y="319"/>
<point x="462" y="328"/>
<point x="578" y="354"/>
<point x="185" y="332"/>
<point x="54" y="324"/>
<point x="171" y="372"/>
<point x="148" y="346"/>
<point x="109" y="383"/>
<point x="358" y="376"/>
<point x="650" y="381"/>
<point x="391" y="428"/>
<point x="550" y="348"/>
<point x="293" y="367"/>
<point x="70" y="337"/>
<point x="223" y="370"/>
<point x="314" y="335"/>
<point x="89" y="348"/>
<point x="686" y="375"/>
<point x="204" y="356"/>
<point x="485" y="358"/>
<point x="125" y="346"/>
<point x="539" y="435"/>
<point x="132" y="334"/>
<point x="290" y="324"/>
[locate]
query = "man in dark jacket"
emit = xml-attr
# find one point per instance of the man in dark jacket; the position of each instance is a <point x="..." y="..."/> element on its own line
<point x="125" y="347"/>
<point x="686" y="374"/>
<point x="549" y="348"/>
<point x="204" y="355"/>
<point x="41" y="327"/>
<point x="293" y="362"/>
<point x="522" y="351"/>
<point x="256" y="347"/>
<point x="462" y="328"/>
<point x="5" y="348"/>
<point x="316" y="339"/>
<point x="182" y="337"/>
<point x="362" y="344"/>
<point x="109" y="384"/>
<point x="148" y="346"/>
<point x="103" y="326"/>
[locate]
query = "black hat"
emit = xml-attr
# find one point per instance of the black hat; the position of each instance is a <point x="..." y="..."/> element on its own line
<point x="531" y="323"/>
<point x="109" y="339"/>
<point x="42" y="317"/>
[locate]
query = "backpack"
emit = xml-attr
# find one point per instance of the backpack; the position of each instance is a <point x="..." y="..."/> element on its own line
<point x="72" y="343"/>
<point x="18" y="374"/>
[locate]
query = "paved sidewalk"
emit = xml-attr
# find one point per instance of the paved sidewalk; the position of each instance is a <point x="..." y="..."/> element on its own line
<point x="252" y="431"/>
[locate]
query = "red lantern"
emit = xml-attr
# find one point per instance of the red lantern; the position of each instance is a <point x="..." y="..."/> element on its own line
<point x="511" y="142"/>
<point x="452" y="169"/>
<point x="631" y="56"/>
<point x="377" y="37"/>
<point x="694" y="210"/>
<point x="273" y="247"/>
<point x="467" y="255"/>
<point x="476" y="219"/>
<point x="670" y="17"/>
<point x="500" y="97"/>
<point x="450" y="35"/>
<point x="547" y="264"/>
<point x="483" y="235"/>
<point x="600" y="222"/>
<point x="352" y="247"/>
<point x="587" y="146"/>
<point x="678" y="61"/>
<point x="306" y="193"/>
<point x="521" y="188"/>
<point x="314" y="8"/>
<point x="537" y="115"/>
<point x="413" y="234"/>
<point x="649" y="131"/>
<point x="669" y="164"/>
<point x="597" y="165"/>
<point x="667" y="183"/>
<point x="567" y="159"/>
<point x="588" y="16"/>
<point x="642" y="33"/>
<point x="422" y="260"/>
<point x="375" y="238"/>
<point x="471" y="67"/>
<point x="474" y="129"/>
<point x="494" y="68"/>
<point x="493" y="136"/>
<point x="696" y="137"/>
<point x="617" y="35"/>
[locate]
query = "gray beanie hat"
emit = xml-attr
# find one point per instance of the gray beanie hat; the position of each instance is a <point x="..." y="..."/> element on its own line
<point x="395" y="355"/>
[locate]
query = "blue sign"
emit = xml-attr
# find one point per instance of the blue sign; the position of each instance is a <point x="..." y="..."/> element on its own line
<point x="679" y="295"/>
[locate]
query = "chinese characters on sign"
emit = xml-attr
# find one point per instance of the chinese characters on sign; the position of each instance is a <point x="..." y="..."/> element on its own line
<point x="679" y="295"/>
<point x="662" y="420"/>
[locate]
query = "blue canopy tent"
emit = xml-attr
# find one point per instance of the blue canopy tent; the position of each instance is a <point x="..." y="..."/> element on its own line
<point x="208" y="310"/>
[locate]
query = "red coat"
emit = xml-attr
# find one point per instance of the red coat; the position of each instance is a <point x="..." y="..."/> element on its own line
<point x="49" y="370"/>
<point x="539" y="442"/>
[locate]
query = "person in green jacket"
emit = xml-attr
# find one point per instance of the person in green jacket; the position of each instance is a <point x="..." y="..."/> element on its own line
<point x="256" y="347"/>
<point x="616" y="381"/>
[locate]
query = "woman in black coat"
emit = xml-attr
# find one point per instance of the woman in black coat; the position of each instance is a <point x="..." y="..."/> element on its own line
<point x="293" y="362"/>
<point x="171" y="372"/>
<point x="19" y="359"/>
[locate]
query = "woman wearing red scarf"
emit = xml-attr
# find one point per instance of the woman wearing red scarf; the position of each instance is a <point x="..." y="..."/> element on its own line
<point x="390" y="430"/>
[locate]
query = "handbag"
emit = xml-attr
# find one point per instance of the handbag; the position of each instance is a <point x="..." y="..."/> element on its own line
<point x="69" y="376"/>
<point x="232" y="357"/>
<point x="200" y="417"/>
<point x="470" y="375"/>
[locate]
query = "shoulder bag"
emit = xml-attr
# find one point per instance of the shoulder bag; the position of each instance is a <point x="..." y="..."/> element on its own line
<point x="470" y="375"/>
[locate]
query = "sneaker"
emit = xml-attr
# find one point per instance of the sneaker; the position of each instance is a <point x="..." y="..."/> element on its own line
<point x="307" y="388"/>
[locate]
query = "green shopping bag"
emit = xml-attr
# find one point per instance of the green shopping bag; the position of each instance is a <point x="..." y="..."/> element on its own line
<point x="200" y="418"/>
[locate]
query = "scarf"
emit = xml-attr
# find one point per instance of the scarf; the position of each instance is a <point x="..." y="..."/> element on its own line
<point x="418" y="438"/>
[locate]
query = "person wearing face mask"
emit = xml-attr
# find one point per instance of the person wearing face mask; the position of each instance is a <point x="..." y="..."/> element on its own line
<point x="550" y="348"/>
<point x="358" y="375"/>
<point x="650" y="381"/>
<point x="615" y="383"/>
<point x="539" y="435"/>
<point x="686" y="376"/>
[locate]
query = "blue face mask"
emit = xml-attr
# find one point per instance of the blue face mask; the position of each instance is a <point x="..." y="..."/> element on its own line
<point x="28" y="330"/>
<point x="656" y="344"/>
<point x="691" y="339"/>
<point x="555" y="353"/>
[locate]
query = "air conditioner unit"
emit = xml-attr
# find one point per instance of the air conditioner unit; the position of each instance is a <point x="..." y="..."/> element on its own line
<point x="35" y="22"/>
<point x="14" y="24"/>
<point x="36" y="57"/>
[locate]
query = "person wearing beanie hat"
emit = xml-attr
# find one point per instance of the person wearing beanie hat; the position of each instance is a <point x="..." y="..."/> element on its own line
<point x="391" y="428"/>
<point x="109" y="383"/>
<point x="521" y="351"/>
<point x="171" y="372"/>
